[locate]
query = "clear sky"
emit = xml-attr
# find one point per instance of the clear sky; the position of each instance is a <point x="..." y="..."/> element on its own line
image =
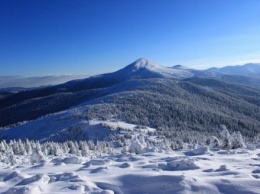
<point x="41" y="37"/>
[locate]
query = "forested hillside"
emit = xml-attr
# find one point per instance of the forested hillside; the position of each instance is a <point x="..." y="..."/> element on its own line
<point x="169" y="99"/>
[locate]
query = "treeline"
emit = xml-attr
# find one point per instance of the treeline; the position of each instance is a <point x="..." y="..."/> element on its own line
<point x="30" y="152"/>
<point x="37" y="152"/>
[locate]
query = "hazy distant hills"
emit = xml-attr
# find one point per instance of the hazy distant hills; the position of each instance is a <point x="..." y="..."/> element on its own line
<point x="146" y="93"/>
<point x="32" y="82"/>
<point x="10" y="85"/>
<point x="250" y="69"/>
<point x="248" y="74"/>
<point x="140" y="69"/>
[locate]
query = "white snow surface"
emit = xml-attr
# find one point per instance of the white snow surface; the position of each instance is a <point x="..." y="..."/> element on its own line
<point x="62" y="125"/>
<point x="200" y="171"/>
<point x="144" y="68"/>
<point x="165" y="71"/>
<point x="120" y="125"/>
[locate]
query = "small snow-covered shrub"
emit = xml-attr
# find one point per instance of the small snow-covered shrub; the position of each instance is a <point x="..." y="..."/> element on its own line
<point x="141" y="139"/>
<point x="177" y="145"/>
<point x="28" y="147"/>
<point x="231" y="141"/>
<point x="214" y="142"/>
<point x="237" y="140"/>
<point x="136" y="146"/>
<point x="91" y="145"/>
<point x="74" y="148"/>
<point x="122" y="141"/>
<point x="226" y="143"/>
<point x="83" y="146"/>
<point x="3" y="146"/>
<point x="36" y="156"/>
<point x="10" y="158"/>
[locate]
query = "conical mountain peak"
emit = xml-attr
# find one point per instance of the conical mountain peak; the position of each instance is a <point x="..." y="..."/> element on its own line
<point x="144" y="63"/>
<point x="144" y="68"/>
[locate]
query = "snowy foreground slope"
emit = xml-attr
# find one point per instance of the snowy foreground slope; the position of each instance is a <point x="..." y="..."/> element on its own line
<point x="193" y="171"/>
<point x="141" y="162"/>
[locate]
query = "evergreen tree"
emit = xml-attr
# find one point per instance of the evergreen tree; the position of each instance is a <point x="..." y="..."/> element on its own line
<point x="225" y="137"/>
<point x="214" y="142"/>
<point x="237" y="140"/>
<point x="28" y="147"/>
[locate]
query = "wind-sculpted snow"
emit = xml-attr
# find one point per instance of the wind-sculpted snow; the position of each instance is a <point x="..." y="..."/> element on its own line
<point x="215" y="171"/>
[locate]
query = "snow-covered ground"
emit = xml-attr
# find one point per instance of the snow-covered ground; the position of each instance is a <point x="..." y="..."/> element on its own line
<point x="186" y="171"/>
<point x="131" y="160"/>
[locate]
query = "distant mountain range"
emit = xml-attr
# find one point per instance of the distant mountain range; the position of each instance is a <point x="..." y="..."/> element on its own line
<point x="37" y="81"/>
<point x="144" y="93"/>
<point x="141" y="68"/>
<point x="250" y="69"/>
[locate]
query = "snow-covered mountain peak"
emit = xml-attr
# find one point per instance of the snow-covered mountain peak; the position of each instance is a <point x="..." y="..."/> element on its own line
<point x="144" y="63"/>
<point x="143" y="68"/>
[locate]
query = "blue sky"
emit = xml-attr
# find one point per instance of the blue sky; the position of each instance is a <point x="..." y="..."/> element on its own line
<point x="42" y="37"/>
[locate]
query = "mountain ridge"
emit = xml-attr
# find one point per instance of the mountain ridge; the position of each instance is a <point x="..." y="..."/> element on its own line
<point x="144" y="78"/>
<point x="159" y="103"/>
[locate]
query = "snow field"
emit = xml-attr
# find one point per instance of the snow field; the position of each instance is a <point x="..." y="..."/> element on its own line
<point x="124" y="158"/>
<point x="214" y="171"/>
